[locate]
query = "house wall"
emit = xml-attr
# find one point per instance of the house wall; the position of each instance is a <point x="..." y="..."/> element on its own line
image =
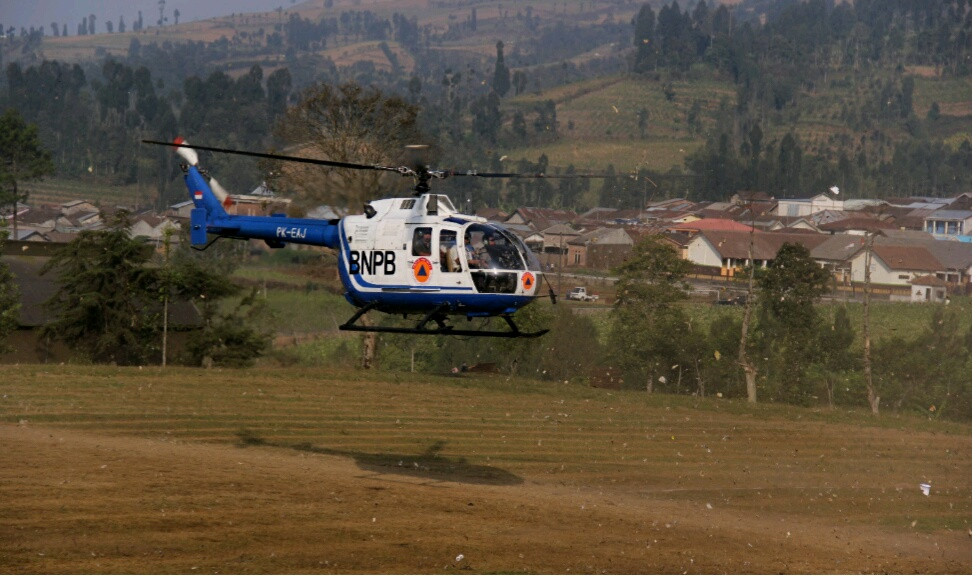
<point x="881" y="274"/>
<point x="922" y="293"/>
<point x="607" y="256"/>
<point x="702" y="252"/>
<point x="577" y="255"/>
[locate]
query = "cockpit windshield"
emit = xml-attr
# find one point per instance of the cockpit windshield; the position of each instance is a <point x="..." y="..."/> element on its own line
<point x="491" y="247"/>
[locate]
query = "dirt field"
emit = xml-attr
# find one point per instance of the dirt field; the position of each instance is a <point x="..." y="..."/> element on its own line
<point x="109" y="470"/>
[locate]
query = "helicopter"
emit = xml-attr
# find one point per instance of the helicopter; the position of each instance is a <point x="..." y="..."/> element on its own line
<point x="409" y="256"/>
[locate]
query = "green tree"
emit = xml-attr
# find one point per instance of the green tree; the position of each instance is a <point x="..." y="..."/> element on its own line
<point x="500" y="79"/>
<point x="348" y="123"/>
<point x="9" y="296"/>
<point x="931" y="373"/>
<point x="22" y="158"/>
<point x="649" y="329"/>
<point x="644" y="39"/>
<point x="232" y="333"/>
<point x="788" y="322"/>
<point x="487" y="117"/>
<point x="838" y="357"/>
<point x="230" y="337"/>
<point x="104" y="289"/>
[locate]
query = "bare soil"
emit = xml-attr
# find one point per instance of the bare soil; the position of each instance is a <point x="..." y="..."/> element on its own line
<point x="517" y="482"/>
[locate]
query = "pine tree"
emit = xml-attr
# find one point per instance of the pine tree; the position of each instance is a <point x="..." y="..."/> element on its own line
<point x="101" y="303"/>
<point x="500" y="81"/>
<point x="644" y="39"/>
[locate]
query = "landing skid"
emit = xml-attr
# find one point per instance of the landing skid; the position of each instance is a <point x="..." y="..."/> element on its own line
<point x="438" y="316"/>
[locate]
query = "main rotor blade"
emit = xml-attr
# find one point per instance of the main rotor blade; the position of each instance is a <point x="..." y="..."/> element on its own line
<point x="333" y="163"/>
<point x="530" y="175"/>
<point x="403" y="170"/>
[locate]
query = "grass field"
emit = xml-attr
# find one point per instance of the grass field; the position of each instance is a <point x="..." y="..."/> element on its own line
<point x="114" y="470"/>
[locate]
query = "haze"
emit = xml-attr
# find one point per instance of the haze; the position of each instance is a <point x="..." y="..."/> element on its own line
<point x="41" y="13"/>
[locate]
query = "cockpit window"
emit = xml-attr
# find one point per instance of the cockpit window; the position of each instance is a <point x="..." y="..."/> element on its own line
<point x="489" y="247"/>
<point x="421" y="242"/>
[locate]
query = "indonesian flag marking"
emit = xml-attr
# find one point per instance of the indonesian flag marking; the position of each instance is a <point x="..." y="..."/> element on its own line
<point x="198" y="195"/>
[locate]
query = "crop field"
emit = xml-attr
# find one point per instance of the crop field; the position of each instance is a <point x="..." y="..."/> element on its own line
<point x="271" y="470"/>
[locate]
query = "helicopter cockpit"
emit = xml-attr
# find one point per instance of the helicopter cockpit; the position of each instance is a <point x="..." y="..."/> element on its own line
<point x="496" y="257"/>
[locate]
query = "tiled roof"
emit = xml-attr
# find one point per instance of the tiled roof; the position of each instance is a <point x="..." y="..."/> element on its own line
<point x="911" y="258"/>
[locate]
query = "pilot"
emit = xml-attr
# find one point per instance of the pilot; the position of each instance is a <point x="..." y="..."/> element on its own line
<point x="422" y="242"/>
<point x="492" y="249"/>
<point x="472" y="254"/>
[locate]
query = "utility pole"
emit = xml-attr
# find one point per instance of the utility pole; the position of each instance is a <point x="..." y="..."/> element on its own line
<point x="749" y="370"/>
<point x="873" y="398"/>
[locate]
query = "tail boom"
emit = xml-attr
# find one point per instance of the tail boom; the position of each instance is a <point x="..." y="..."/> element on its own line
<point x="210" y="217"/>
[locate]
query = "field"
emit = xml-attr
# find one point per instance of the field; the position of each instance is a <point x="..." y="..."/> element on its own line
<point x="113" y="470"/>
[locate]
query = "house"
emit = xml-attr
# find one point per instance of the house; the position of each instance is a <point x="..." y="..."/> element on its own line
<point x="859" y="224"/>
<point x="730" y="250"/>
<point x="35" y="289"/>
<point x="540" y="218"/>
<point x="601" y="249"/>
<point x="714" y="224"/>
<point x="949" y="223"/>
<point x="808" y="206"/>
<point x="928" y="288"/>
<point x="152" y="227"/>
<point x="78" y="207"/>
<point x="956" y="259"/>
<point x="256" y="205"/>
<point x="835" y="254"/>
<point x="492" y="214"/>
<point x="895" y="265"/>
<point x="180" y="210"/>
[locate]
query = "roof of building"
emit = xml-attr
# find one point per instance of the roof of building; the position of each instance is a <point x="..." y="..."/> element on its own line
<point x="711" y="224"/>
<point x="909" y="258"/>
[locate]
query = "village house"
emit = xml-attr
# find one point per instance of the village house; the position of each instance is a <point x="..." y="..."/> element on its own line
<point x="928" y="289"/>
<point x="949" y="223"/>
<point x="895" y="265"/>
<point x="808" y="206"/>
<point x="600" y="249"/>
<point x="728" y="251"/>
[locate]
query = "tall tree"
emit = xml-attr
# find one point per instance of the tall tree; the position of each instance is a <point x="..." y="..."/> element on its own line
<point x="644" y="39"/>
<point x="789" y="323"/>
<point x="101" y="302"/>
<point x="22" y="158"/>
<point x="353" y="124"/>
<point x="9" y="295"/>
<point x="500" y="79"/>
<point x="348" y="123"/>
<point x="651" y="333"/>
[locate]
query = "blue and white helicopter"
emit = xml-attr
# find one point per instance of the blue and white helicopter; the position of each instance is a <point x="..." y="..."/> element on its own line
<point x="407" y="256"/>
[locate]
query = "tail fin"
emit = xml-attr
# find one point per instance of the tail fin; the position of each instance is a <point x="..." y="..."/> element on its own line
<point x="209" y="198"/>
<point x="205" y="191"/>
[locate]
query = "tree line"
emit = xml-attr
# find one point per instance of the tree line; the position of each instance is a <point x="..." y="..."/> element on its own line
<point x="114" y="296"/>
<point x="805" y="351"/>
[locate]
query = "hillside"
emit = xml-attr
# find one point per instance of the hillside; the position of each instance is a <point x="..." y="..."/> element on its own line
<point x="297" y="471"/>
<point x="785" y="97"/>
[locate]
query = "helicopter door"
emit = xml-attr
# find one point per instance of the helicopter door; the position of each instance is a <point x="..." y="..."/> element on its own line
<point x="448" y="249"/>
<point x="420" y="261"/>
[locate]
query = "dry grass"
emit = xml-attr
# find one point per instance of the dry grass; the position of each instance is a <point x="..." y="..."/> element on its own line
<point x="113" y="470"/>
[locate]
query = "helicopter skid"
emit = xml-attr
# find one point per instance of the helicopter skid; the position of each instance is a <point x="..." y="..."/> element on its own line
<point x="438" y="316"/>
